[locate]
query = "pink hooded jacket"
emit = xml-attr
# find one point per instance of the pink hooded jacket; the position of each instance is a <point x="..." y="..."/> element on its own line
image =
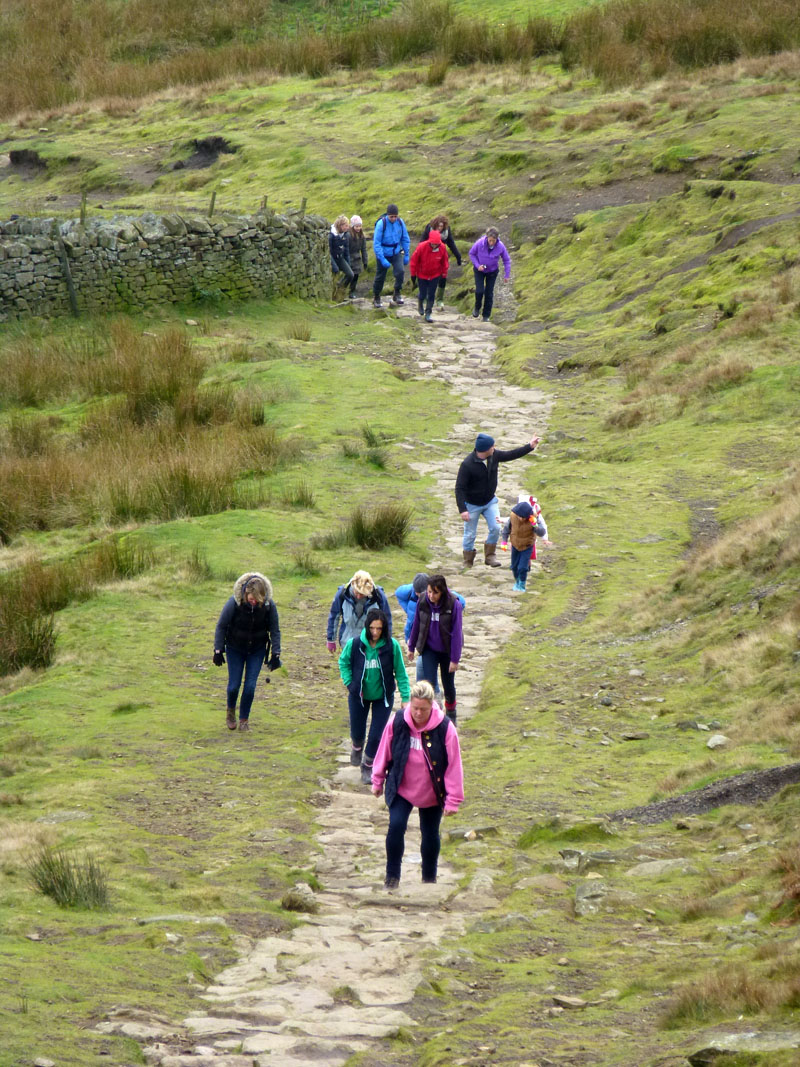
<point x="415" y="785"/>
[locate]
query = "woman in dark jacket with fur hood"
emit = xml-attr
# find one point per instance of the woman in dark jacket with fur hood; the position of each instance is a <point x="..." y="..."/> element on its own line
<point x="248" y="631"/>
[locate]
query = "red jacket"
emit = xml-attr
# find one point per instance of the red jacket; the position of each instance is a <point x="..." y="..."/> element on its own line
<point x="427" y="264"/>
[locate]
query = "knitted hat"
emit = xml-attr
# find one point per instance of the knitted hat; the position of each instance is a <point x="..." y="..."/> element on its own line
<point x="420" y="583"/>
<point x="362" y="583"/>
<point x="483" y="442"/>
<point x="392" y="210"/>
<point x="355" y="220"/>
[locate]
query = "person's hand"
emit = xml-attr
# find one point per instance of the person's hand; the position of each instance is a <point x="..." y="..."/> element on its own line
<point x="482" y="267"/>
<point x="453" y="667"/>
<point x="331" y="647"/>
<point x="274" y="663"/>
<point x="534" y="442"/>
<point x="446" y="813"/>
<point x="405" y="261"/>
<point x="219" y="658"/>
<point x="546" y="543"/>
<point x="377" y="790"/>
<point x="465" y="516"/>
<point x="413" y="283"/>
<point x="458" y="261"/>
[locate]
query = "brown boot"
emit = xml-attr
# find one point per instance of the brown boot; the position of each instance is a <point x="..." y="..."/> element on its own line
<point x="230" y="718"/>
<point x="469" y="557"/>
<point x="490" y="556"/>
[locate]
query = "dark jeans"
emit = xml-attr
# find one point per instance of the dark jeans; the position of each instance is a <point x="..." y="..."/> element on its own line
<point x="431" y="659"/>
<point x="429" y="819"/>
<point x="427" y="293"/>
<point x="398" y="270"/>
<point x="354" y="282"/>
<point x="484" y="290"/>
<point x="359" y="710"/>
<point x="249" y="664"/>
<point x="521" y="562"/>
<point x="345" y="273"/>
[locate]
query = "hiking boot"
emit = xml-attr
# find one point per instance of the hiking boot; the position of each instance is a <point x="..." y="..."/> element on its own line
<point x="398" y="300"/>
<point x="490" y="556"/>
<point x="429" y="317"/>
<point x="521" y="585"/>
<point x="469" y="556"/>
<point x="428" y="881"/>
<point x="376" y="303"/>
<point x="440" y="306"/>
<point x="355" y="757"/>
<point x="230" y="718"/>
<point x="421" y="309"/>
<point x="366" y="774"/>
<point x="475" y="313"/>
<point x="485" y="318"/>
<point x="244" y="726"/>
<point x="390" y="883"/>
<point x="450" y="712"/>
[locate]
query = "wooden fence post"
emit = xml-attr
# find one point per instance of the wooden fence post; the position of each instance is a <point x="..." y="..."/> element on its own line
<point x="211" y="205"/>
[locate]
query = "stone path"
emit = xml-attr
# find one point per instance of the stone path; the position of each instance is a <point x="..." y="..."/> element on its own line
<point x="345" y="978"/>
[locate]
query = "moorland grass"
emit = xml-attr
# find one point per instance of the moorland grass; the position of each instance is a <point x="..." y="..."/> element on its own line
<point x="72" y="881"/>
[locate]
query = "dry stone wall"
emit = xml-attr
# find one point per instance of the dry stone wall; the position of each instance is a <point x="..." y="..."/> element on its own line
<point x="51" y="268"/>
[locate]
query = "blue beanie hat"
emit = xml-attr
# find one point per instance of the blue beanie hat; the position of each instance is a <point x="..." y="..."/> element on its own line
<point x="483" y="442"/>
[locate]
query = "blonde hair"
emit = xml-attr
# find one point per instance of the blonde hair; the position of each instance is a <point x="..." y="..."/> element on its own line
<point x="342" y="219"/>
<point x="422" y="691"/>
<point x="255" y="587"/>
<point x="362" y="583"/>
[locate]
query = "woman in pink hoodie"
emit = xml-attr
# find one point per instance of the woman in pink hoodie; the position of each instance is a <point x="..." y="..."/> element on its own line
<point x="418" y="763"/>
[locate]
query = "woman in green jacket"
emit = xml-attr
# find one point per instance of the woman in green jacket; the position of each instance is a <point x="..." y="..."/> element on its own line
<point x="372" y="667"/>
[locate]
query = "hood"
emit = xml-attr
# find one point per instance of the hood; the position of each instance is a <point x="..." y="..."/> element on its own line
<point x="523" y="509"/>
<point x="365" y="639"/>
<point x="334" y="231"/>
<point x="436" y="717"/>
<point x="434" y="237"/>
<point x="241" y="581"/>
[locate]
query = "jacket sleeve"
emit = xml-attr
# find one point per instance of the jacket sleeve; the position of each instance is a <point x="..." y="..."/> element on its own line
<point x="473" y="254"/>
<point x="400" y="673"/>
<point x="414" y="260"/>
<point x="461" y="486"/>
<point x="540" y="521"/>
<point x="223" y="622"/>
<point x="412" y="637"/>
<point x="336" y="611"/>
<point x="406" y="242"/>
<point x="364" y="251"/>
<point x="506" y="531"/>
<point x="403" y="593"/>
<point x="511" y="453"/>
<point x="454" y="775"/>
<point x="385" y="608"/>
<point x="274" y="630"/>
<point x="346" y="663"/>
<point x="377" y="243"/>
<point x="446" y="263"/>
<point x="332" y="253"/>
<point x="451" y="244"/>
<point x="456" y="636"/>
<point x="383" y="757"/>
<point x="506" y="260"/>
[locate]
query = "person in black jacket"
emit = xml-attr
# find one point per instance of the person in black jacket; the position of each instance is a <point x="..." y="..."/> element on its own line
<point x="248" y="631"/>
<point x="476" y="486"/>
<point x="442" y="224"/>
<point x="339" y="248"/>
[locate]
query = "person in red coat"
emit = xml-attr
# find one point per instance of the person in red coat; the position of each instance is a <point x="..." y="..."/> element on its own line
<point x="429" y="263"/>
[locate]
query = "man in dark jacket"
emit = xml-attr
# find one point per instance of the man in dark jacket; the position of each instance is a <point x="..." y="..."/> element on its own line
<point x="476" y="486"/>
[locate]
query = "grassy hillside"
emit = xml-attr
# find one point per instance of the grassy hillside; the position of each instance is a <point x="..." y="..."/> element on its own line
<point x="654" y="234"/>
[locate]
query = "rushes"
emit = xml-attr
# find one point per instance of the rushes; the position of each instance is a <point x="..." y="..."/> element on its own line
<point x="380" y="527"/>
<point x="72" y="882"/>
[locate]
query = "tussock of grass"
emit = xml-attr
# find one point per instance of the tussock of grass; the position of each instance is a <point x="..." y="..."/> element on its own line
<point x="381" y="527"/>
<point x="735" y="989"/>
<point x="72" y="882"/>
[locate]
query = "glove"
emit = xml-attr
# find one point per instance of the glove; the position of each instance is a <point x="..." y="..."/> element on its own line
<point x="413" y="283"/>
<point x="331" y="646"/>
<point x="219" y="658"/>
<point x="274" y="663"/>
<point x="405" y="261"/>
<point x="458" y="261"/>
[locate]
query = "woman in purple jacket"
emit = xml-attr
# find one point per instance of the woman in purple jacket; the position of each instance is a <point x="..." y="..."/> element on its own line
<point x="486" y="254"/>
<point x="436" y="637"/>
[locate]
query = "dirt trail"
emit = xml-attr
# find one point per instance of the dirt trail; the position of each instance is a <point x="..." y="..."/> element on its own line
<point x="345" y="977"/>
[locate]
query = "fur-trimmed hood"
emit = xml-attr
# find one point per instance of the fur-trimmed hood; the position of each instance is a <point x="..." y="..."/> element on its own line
<point x="243" y="579"/>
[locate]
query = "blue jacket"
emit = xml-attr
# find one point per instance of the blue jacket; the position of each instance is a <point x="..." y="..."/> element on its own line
<point x="348" y="615"/>
<point x="390" y="238"/>
<point x="408" y="599"/>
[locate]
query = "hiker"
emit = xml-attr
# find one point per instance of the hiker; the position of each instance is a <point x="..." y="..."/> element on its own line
<point x="350" y="606"/>
<point x="429" y="264"/>
<point x="524" y="525"/>
<point x="339" y="248"/>
<point x="357" y="245"/>
<point x="436" y="636"/>
<point x="407" y="597"/>
<point x="391" y="245"/>
<point x="486" y="254"/>
<point x="248" y="632"/>
<point x="442" y="224"/>
<point x="418" y="765"/>
<point x="476" y="486"/>
<point x="371" y="666"/>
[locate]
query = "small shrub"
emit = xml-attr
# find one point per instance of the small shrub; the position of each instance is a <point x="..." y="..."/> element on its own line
<point x="305" y="564"/>
<point x="378" y="457"/>
<point x="437" y="71"/>
<point x="197" y="566"/>
<point x="385" y="525"/>
<point x="298" y="331"/>
<point x="787" y="864"/>
<point x="350" y="450"/>
<point x="300" y="495"/>
<point x="71" y="882"/>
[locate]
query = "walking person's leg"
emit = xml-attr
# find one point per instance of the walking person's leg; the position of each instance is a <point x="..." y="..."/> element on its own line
<point x="430" y="293"/>
<point x="470" y="532"/>
<point x="252" y="668"/>
<point x="523" y="566"/>
<point x="480" y="284"/>
<point x="488" y="300"/>
<point x="491" y="512"/>
<point x="440" y="287"/>
<point x="396" y="840"/>
<point x="448" y="685"/>
<point x="358" y="727"/>
<point x="353" y="284"/>
<point x="379" y="279"/>
<point x="398" y="269"/>
<point x="421" y="678"/>
<point x="235" y="671"/>
<point x="514" y="565"/>
<point x="431" y="843"/>
<point x="430" y="665"/>
<point x="379" y="716"/>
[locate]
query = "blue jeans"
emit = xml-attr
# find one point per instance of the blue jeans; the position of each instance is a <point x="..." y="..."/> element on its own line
<point x="397" y="265"/>
<point x="359" y="710"/>
<point x="249" y="664"/>
<point x="429" y="820"/>
<point x="521" y="562"/>
<point x="491" y="512"/>
<point x="421" y="677"/>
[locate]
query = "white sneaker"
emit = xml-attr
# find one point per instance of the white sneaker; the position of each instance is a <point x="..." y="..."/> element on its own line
<point x="440" y="306"/>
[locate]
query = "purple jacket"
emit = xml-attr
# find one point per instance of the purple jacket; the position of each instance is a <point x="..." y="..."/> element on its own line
<point x="483" y="256"/>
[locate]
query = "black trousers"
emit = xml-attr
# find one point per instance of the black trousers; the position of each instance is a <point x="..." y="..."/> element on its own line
<point x="484" y="290"/>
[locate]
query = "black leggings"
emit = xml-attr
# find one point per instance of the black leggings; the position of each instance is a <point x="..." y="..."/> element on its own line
<point x="431" y="659"/>
<point x="484" y="290"/>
